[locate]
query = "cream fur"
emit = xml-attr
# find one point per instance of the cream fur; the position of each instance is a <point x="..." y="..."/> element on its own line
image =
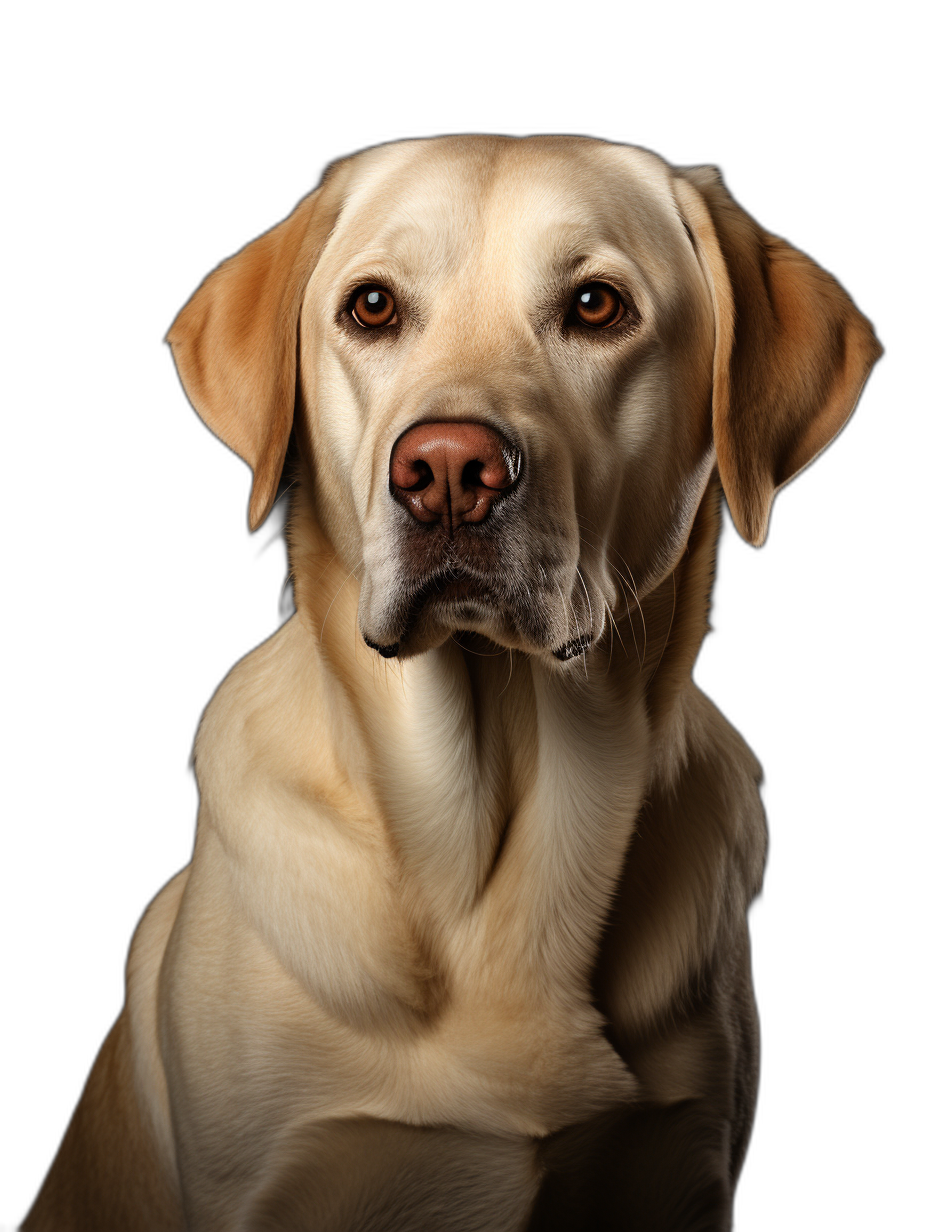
<point x="472" y="886"/>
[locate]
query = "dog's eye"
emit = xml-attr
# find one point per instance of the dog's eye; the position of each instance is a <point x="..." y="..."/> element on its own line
<point x="373" y="306"/>
<point x="598" y="304"/>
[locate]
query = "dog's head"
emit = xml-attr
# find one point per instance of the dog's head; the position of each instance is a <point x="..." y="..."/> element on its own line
<point x="515" y="364"/>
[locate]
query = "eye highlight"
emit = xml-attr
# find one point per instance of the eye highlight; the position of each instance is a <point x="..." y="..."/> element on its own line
<point x="597" y="305"/>
<point x="373" y="306"/>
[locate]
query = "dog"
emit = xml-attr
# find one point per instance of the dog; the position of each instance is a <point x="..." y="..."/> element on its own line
<point x="463" y="940"/>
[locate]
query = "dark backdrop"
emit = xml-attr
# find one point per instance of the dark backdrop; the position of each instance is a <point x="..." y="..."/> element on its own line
<point x="141" y="587"/>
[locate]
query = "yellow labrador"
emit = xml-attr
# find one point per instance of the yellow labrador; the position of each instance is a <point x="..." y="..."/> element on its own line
<point x="462" y="944"/>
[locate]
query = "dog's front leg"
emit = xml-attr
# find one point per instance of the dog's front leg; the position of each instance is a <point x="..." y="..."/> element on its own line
<point x="367" y="1175"/>
<point x="647" y="1169"/>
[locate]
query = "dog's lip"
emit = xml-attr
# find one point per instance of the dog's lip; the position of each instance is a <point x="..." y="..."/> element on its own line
<point x="466" y="594"/>
<point x="571" y="649"/>
<point x="453" y="586"/>
<point x="389" y="651"/>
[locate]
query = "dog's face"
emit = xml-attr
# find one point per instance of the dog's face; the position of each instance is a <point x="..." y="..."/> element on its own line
<point x="500" y="339"/>
<point x="516" y="363"/>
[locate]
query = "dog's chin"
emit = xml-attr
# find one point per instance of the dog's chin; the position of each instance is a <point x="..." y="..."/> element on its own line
<point x="455" y="612"/>
<point x="444" y="616"/>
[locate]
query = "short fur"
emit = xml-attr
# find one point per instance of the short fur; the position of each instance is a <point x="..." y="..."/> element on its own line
<point x="463" y="941"/>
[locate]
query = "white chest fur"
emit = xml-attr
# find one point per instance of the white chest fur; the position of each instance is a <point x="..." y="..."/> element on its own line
<point x="430" y="856"/>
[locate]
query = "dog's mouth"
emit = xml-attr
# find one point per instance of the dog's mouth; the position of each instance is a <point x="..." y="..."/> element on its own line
<point x="450" y="597"/>
<point x="463" y="600"/>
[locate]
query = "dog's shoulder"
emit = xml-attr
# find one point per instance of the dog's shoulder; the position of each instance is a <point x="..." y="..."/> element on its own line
<point x="705" y="810"/>
<point x="695" y="864"/>
<point x="256" y="701"/>
<point x="702" y="763"/>
<point x="279" y="722"/>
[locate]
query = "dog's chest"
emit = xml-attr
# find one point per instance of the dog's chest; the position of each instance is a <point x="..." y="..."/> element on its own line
<point x="508" y="867"/>
<point x="441" y="924"/>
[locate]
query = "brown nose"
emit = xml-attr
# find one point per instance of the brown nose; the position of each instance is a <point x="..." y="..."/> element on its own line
<point x="452" y="472"/>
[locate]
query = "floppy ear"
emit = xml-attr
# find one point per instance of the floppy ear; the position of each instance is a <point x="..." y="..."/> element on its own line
<point x="235" y="342"/>
<point x="791" y="350"/>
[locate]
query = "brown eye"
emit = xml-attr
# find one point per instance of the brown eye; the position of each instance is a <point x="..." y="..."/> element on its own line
<point x="598" y="304"/>
<point x="373" y="306"/>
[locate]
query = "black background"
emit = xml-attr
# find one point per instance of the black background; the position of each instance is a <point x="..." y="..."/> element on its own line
<point x="139" y="587"/>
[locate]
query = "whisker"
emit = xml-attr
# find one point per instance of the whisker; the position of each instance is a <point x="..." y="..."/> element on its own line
<point x="564" y="604"/>
<point x="627" y="583"/>
<point x="628" y="612"/>
<point x="614" y="627"/>
<point x="612" y="621"/>
<point x="332" y="559"/>
<point x="479" y="653"/>
<point x="631" y="624"/>
<point x="289" y="488"/>
<point x="287" y="586"/>
<point x="350" y="574"/>
<point x="509" y="677"/>
<point x="590" y="606"/>
<point x="284" y="526"/>
<point x="588" y="602"/>
<point x="644" y="629"/>
<point x="673" y="612"/>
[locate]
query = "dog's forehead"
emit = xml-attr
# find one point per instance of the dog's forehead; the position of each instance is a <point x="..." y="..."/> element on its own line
<point x="435" y="203"/>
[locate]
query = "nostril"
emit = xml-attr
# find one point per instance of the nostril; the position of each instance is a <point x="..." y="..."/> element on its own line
<point x="411" y="474"/>
<point x="499" y="470"/>
<point x="423" y="476"/>
<point x="472" y="474"/>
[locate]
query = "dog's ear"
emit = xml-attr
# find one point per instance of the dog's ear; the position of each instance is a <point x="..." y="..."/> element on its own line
<point x="791" y="350"/>
<point x="235" y="340"/>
